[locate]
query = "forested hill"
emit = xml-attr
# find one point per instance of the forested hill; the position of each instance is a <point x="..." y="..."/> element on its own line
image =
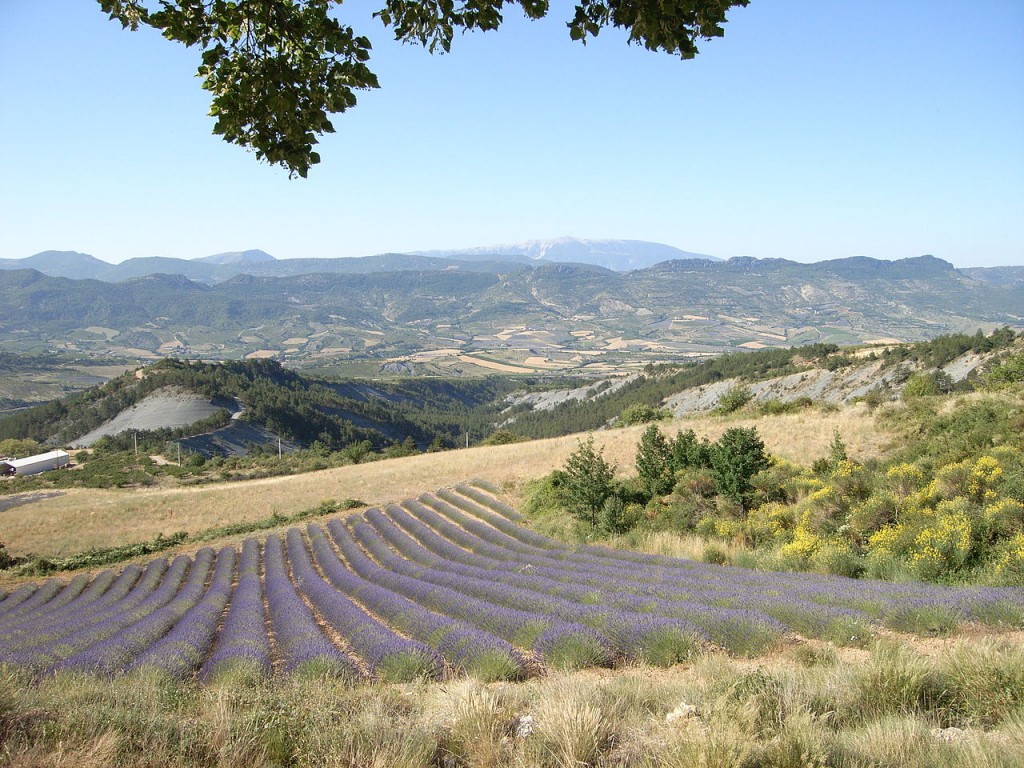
<point x="303" y="410"/>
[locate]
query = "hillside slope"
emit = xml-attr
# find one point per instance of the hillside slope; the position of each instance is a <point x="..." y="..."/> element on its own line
<point x="81" y="518"/>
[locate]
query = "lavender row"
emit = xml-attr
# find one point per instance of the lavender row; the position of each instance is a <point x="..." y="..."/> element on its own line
<point x="101" y="587"/>
<point x="118" y="652"/>
<point x="478" y="492"/>
<point x="717" y="619"/>
<point x="636" y="625"/>
<point x="113" y="622"/>
<point x="823" y="586"/>
<point x="420" y="543"/>
<point x="69" y="638"/>
<point x="885" y="601"/>
<point x="59" y="636"/>
<point x="48" y="598"/>
<point x="386" y="654"/>
<point x="17" y="597"/>
<point x="830" y="596"/>
<point x="464" y="647"/>
<point x="242" y="641"/>
<point x="299" y="640"/>
<point x="97" y="590"/>
<point x="562" y="643"/>
<point x="181" y="651"/>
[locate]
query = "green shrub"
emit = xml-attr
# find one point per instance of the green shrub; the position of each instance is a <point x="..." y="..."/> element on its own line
<point x="733" y="399"/>
<point x="641" y="413"/>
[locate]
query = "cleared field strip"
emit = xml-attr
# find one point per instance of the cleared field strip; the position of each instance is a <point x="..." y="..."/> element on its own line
<point x="441" y="585"/>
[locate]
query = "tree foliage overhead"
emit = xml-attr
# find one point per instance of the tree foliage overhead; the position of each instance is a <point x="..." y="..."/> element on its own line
<point x="278" y="68"/>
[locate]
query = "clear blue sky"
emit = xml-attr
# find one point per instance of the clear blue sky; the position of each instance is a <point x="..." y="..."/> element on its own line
<point x="815" y="129"/>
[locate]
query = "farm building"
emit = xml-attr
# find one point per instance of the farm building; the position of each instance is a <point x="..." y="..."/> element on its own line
<point x="32" y="465"/>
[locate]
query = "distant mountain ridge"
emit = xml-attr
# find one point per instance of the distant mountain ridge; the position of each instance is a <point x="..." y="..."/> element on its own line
<point x="253" y="256"/>
<point x="226" y="266"/>
<point x="575" y="312"/>
<point x="616" y="255"/>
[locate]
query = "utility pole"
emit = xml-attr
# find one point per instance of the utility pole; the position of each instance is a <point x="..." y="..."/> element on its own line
<point x="179" y="453"/>
<point x="135" y="438"/>
<point x="467" y="438"/>
<point x="279" y="447"/>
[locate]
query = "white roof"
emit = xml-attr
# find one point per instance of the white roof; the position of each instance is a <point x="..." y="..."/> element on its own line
<point x="29" y="460"/>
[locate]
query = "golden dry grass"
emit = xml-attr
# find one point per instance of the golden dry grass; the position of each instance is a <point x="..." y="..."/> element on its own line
<point x="84" y="518"/>
<point x="807" y="704"/>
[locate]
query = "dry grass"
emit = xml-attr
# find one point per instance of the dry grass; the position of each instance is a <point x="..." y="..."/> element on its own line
<point x="84" y="518"/>
<point x="889" y="705"/>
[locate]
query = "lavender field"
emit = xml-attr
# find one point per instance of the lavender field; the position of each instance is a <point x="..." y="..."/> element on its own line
<point x="447" y="584"/>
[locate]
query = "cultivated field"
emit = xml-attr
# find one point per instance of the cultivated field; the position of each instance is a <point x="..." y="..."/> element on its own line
<point x="321" y="647"/>
<point x="443" y="585"/>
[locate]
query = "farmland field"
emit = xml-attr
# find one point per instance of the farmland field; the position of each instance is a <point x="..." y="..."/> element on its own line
<point x="444" y="585"/>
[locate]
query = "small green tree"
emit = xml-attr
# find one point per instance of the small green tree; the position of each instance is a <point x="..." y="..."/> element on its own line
<point x="836" y="453"/>
<point x="1009" y="371"/>
<point x="587" y="481"/>
<point x="614" y="518"/>
<point x="19" y="448"/>
<point x="502" y="437"/>
<point x="654" y="461"/>
<point x="737" y="456"/>
<point x="6" y="561"/>
<point x="687" y="451"/>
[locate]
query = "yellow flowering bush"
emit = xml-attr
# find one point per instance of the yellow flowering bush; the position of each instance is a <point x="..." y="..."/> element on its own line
<point x="926" y="496"/>
<point x="954" y="480"/>
<point x="837" y="557"/>
<point x="879" y="510"/>
<point x="851" y="481"/>
<point x="1008" y="561"/>
<point x="1003" y="518"/>
<point x="985" y="475"/>
<point x="804" y="544"/>
<point x="947" y="544"/>
<point x="904" y="479"/>
<point x="770" y="523"/>
<point x="890" y="540"/>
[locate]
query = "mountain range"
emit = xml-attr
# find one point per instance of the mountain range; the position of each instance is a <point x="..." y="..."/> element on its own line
<point x="516" y="315"/>
<point x="616" y="255"/>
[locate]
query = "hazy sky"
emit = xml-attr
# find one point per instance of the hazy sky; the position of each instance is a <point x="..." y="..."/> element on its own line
<point x="814" y="129"/>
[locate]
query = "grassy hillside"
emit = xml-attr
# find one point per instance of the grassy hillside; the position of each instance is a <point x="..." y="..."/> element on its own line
<point x="81" y="518"/>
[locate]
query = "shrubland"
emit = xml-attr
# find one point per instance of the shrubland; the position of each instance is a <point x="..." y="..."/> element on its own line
<point x="944" y="503"/>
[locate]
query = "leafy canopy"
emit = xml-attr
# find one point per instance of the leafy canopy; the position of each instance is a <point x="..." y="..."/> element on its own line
<point x="278" y="68"/>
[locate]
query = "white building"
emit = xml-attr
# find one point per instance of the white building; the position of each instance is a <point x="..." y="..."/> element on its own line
<point x="32" y="465"/>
